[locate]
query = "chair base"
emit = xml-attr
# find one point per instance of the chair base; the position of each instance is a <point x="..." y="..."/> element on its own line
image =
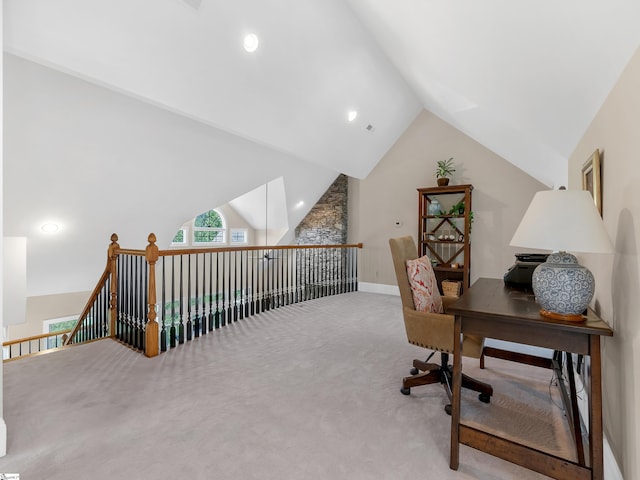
<point x="442" y="373"/>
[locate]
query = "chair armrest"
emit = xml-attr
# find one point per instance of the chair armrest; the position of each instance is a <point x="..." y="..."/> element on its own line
<point x="447" y="300"/>
<point x="435" y="332"/>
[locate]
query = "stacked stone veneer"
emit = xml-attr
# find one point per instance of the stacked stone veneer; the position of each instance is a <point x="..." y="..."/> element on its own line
<point x="326" y="223"/>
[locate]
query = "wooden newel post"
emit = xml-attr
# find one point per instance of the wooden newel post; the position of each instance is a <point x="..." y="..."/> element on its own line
<point x="112" y="259"/>
<point x="151" y="330"/>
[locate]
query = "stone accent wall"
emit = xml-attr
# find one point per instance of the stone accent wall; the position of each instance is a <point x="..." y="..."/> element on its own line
<point x="326" y="223"/>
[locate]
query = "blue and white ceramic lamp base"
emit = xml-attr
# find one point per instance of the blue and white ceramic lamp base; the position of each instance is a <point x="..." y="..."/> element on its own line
<point x="563" y="288"/>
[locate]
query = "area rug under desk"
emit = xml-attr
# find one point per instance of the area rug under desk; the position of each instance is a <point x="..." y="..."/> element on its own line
<point x="526" y="406"/>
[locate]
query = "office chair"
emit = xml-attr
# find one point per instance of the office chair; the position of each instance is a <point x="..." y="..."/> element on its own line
<point x="433" y="331"/>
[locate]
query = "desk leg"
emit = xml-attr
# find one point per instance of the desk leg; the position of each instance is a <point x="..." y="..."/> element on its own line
<point x="595" y="410"/>
<point x="456" y="393"/>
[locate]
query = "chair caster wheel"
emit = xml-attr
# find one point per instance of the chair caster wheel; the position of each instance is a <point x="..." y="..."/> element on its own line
<point x="405" y="391"/>
<point x="447" y="408"/>
<point x="414" y="371"/>
<point x="484" y="398"/>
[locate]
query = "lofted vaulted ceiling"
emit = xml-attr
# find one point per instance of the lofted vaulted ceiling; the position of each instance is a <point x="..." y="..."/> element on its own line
<point x="522" y="78"/>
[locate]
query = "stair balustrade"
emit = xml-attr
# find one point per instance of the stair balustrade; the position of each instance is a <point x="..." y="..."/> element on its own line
<point x="155" y="300"/>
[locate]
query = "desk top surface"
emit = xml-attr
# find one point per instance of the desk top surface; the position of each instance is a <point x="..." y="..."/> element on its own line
<point x="489" y="298"/>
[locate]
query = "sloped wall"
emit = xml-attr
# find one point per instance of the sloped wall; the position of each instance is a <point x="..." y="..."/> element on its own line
<point x="614" y="131"/>
<point x="388" y="197"/>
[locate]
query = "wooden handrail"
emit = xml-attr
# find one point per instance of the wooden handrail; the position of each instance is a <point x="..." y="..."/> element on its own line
<point x="27" y="344"/>
<point x="187" y="251"/>
<point x="8" y="343"/>
<point x="89" y="304"/>
<point x="110" y="268"/>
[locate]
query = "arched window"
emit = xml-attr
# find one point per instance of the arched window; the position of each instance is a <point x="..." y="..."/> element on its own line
<point x="209" y="227"/>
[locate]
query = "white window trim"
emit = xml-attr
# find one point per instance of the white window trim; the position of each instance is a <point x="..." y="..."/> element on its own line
<point x="208" y="229"/>
<point x="246" y="236"/>
<point x="185" y="238"/>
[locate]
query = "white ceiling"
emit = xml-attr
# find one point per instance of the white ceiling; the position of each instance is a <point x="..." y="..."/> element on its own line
<point x="523" y="78"/>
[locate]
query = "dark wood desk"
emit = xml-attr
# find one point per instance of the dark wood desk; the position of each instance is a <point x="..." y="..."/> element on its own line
<point x="492" y="310"/>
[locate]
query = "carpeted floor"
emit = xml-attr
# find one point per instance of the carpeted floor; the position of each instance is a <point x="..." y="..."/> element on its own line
<point x="308" y="391"/>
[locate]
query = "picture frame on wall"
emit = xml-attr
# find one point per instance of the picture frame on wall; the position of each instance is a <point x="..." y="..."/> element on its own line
<point x="591" y="179"/>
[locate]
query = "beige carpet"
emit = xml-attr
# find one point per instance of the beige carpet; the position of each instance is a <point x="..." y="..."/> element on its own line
<point x="309" y="391"/>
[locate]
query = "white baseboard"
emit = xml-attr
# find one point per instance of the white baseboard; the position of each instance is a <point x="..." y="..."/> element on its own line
<point x="378" y="288"/>
<point x="3" y="438"/>
<point x="611" y="468"/>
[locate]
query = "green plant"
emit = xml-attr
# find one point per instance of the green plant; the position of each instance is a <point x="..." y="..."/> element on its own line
<point x="445" y="168"/>
<point x="457" y="209"/>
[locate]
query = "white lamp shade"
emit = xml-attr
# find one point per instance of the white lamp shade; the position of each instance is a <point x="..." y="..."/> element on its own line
<point x="563" y="220"/>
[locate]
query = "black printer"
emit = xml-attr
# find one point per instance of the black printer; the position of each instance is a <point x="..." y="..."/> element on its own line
<point x="520" y="273"/>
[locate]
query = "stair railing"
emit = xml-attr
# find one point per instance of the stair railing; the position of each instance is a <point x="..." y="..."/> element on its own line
<point x="203" y="289"/>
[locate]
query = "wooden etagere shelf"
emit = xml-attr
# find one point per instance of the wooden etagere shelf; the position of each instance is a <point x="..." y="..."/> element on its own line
<point x="444" y="231"/>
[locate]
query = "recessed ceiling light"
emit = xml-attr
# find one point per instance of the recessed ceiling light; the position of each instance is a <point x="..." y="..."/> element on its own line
<point x="251" y="42"/>
<point x="50" y="228"/>
<point x="300" y="204"/>
<point x="351" y="116"/>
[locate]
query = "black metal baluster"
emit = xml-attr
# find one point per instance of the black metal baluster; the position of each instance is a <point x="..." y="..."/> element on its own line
<point x="336" y="277"/>
<point x="298" y="276"/>
<point x="118" y="297"/>
<point x="241" y="286"/>
<point x="196" y="326"/>
<point x="189" y="323"/>
<point x="172" y="329"/>
<point x="211" y="319"/>
<point x="132" y="310"/>
<point x="265" y="277"/>
<point x="349" y="270"/>
<point x="181" y="326"/>
<point x="280" y="278"/>
<point x="341" y="271"/>
<point x="163" y="330"/>
<point x="134" y="304"/>
<point x="254" y="283"/>
<point x="272" y="282"/>
<point x="129" y="311"/>
<point x="141" y="308"/>
<point x="123" y="299"/>
<point x="139" y="300"/>
<point x="235" y="286"/>
<point x="229" y="291"/>
<point x="223" y="316"/>
<point x="217" y="316"/>
<point x="322" y="271"/>
<point x="145" y="303"/>
<point x="246" y="284"/>
<point x="355" y="276"/>
<point x="308" y="282"/>
<point x="203" y="319"/>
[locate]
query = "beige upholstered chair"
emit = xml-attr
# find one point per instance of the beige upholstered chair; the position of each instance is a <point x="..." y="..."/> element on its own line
<point x="433" y="331"/>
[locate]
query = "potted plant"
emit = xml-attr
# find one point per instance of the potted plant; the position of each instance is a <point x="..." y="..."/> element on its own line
<point x="444" y="171"/>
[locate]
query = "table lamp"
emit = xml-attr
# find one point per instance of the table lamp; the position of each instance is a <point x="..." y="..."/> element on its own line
<point x="563" y="221"/>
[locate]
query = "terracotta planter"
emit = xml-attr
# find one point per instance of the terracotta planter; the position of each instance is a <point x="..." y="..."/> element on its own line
<point x="442" y="181"/>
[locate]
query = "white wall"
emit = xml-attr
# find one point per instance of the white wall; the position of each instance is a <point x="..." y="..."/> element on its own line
<point x="3" y="426"/>
<point x="614" y="131"/>
<point x="98" y="162"/>
<point x="14" y="280"/>
<point x="500" y="197"/>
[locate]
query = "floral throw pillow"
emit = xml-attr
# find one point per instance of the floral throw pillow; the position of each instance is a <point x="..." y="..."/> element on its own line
<point x="424" y="285"/>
